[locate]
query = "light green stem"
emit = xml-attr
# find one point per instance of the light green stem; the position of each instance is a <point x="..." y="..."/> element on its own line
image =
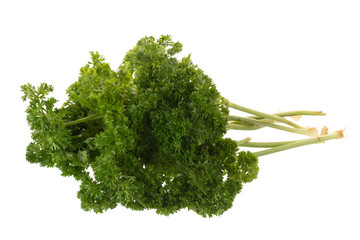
<point x="235" y="126"/>
<point x="263" y="115"/>
<point x="82" y="102"/>
<point x="235" y="120"/>
<point x="296" y="113"/>
<point x="243" y="141"/>
<point x="334" y="135"/>
<point x="303" y="131"/>
<point x="248" y="126"/>
<point x="85" y="119"/>
<point x="263" y="144"/>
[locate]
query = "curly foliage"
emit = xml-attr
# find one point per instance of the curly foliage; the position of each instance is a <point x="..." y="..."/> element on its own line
<point x="151" y="133"/>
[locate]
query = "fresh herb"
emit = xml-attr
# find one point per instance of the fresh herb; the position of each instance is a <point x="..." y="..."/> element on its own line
<point x="150" y="135"/>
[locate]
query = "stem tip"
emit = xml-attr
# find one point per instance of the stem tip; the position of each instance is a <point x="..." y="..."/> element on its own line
<point x="313" y="132"/>
<point x="341" y="133"/>
<point x="324" y="131"/>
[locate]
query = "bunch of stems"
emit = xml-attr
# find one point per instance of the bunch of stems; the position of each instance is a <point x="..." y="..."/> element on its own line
<point x="259" y="120"/>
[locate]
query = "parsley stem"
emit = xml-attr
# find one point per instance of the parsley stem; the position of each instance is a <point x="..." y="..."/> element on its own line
<point x="82" y="101"/>
<point x="243" y="141"/>
<point x="263" y="144"/>
<point x="84" y="119"/>
<point x="263" y="115"/>
<point x="296" y="113"/>
<point x="248" y="126"/>
<point x="240" y="126"/>
<point x="289" y="114"/>
<point x="304" y="131"/>
<point x="299" y="143"/>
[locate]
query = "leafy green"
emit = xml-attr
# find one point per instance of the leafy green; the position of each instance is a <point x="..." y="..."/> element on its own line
<point x="149" y="135"/>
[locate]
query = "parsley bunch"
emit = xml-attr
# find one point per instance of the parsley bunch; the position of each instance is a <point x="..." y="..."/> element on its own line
<point x="150" y="135"/>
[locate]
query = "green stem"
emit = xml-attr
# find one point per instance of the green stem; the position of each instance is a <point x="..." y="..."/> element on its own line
<point x="296" y="113"/>
<point x="82" y="102"/>
<point x="303" y="131"/>
<point x="243" y="141"/>
<point x="334" y="135"/>
<point x="81" y="120"/>
<point x="235" y="120"/>
<point x="263" y="115"/>
<point x="263" y="144"/>
<point x="245" y="127"/>
<point x="240" y="125"/>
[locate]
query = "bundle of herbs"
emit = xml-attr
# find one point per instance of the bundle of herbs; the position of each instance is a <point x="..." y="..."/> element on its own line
<point x="150" y="134"/>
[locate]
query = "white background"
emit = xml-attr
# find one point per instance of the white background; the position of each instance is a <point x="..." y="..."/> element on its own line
<point x="267" y="55"/>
